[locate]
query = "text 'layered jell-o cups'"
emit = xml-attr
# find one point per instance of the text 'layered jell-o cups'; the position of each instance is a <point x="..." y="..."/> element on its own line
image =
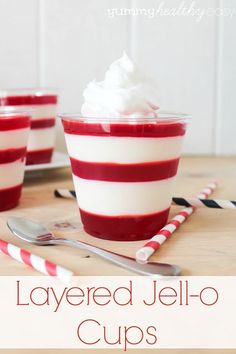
<point x="43" y="103"/>
<point x="124" y="165"/>
<point x="14" y="131"/>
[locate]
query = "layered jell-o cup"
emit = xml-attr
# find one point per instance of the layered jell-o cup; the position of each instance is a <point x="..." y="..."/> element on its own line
<point x="124" y="155"/>
<point x="14" y="131"/>
<point x="43" y="103"/>
<point x="123" y="173"/>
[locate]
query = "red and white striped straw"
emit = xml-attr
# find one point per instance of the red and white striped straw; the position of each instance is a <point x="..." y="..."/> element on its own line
<point x="38" y="263"/>
<point x="143" y="254"/>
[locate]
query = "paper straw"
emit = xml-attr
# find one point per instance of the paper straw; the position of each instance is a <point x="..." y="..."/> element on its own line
<point x="38" y="263"/>
<point x="64" y="193"/>
<point x="187" y="202"/>
<point x="208" y="203"/>
<point x="156" y="241"/>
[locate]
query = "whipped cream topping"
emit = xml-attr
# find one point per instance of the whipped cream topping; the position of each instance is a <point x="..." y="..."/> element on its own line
<point x="124" y="93"/>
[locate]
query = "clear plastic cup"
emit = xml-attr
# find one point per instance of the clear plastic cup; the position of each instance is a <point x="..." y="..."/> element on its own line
<point x="124" y="171"/>
<point x="14" y="130"/>
<point x="43" y="101"/>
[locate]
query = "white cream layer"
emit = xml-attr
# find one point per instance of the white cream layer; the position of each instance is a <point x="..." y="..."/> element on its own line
<point x="115" y="198"/>
<point x="11" y="174"/>
<point x="123" y="149"/>
<point x="16" y="138"/>
<point x="40" y="139"/>
<point x="41" y="111"/>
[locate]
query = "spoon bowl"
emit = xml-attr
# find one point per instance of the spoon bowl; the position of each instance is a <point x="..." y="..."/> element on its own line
<point x="30" y="231"/>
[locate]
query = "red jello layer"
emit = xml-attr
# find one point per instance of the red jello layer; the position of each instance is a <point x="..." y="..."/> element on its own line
<point x="28" y="100"/>
<point x="12" y="123"/>
<point x="43" y="123"/>
<point x="11" y="155"/>
<point x="9" y="197"/>
<point x="39" y="156"/>
<point x="123" y="228"/>
<point x="141" y="172"/>
<point x="159" y="129"/>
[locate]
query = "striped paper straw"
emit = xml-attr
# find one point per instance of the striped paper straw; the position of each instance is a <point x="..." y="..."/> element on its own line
<point x="38" y="263"/>
<point x="64" y="193"/>
<point x="187" y="202"/>
<point x="143" y="254"/>
<point x="208" y="203"/>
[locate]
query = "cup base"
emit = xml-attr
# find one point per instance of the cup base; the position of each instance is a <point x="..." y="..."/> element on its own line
<point x="39" y="156"/>
<point x="124" y="228"/>
<point x="9" y="197"/>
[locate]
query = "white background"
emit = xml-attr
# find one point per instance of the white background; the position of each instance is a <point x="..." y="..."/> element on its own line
<point x="66" y="43"/>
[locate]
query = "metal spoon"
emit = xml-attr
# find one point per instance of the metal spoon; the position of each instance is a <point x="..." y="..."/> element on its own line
<point x="38" y="234"/>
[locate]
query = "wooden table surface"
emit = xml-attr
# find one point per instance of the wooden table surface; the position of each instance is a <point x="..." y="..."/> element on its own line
<point x="204" y="245"/>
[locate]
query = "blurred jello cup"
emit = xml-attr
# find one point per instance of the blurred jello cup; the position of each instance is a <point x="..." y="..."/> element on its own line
<point x="42" y="135"/>
<point x="123" y="172"/>
<point x="14" y="129"/>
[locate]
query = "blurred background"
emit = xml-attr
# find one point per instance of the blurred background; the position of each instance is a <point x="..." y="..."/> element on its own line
<point x="190" y="54"/>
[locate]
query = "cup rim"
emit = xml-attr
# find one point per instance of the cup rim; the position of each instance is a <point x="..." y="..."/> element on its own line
<point x="162" y="117"/>
<point x="11" y="112"/>
<point x="29" y="91"/>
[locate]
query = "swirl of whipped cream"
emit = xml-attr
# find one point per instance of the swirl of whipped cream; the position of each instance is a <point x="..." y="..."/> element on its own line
<point x="123" y="93"/>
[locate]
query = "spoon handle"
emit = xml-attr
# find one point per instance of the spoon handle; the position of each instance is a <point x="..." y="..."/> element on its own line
<point x="157" y="269"/>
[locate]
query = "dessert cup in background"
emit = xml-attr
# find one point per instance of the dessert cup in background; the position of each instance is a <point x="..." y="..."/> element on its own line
<point x="43" y="103"/>
<point x="123" y="172"/>
<point x="14" y="131"/>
